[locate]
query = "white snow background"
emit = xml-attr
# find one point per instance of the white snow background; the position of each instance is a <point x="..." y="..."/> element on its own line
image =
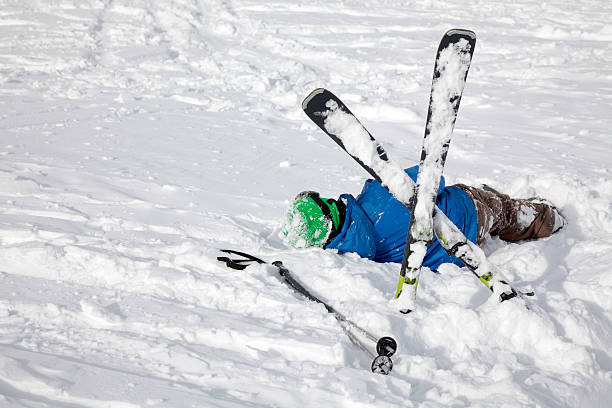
<point x="139" y="137"/>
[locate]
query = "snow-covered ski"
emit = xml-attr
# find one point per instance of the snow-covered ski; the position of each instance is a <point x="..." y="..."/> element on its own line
<point x="451" y="67"/>
<point x="385" y="346"/>
<point x="338" y="122"/>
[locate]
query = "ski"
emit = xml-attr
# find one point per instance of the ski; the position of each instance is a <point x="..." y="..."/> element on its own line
<point x="333" y="117"/>
<point x="385" y="346"/>
<point x="451" y="67"/>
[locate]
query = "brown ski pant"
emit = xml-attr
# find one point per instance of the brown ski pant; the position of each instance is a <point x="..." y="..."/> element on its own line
<point x="510" y="219"/>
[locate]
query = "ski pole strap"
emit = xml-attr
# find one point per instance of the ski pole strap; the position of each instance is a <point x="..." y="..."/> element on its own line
<point x="238" y="264"/>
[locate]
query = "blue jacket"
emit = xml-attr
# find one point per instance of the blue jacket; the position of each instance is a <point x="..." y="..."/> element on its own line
<point x="376" y="223"/>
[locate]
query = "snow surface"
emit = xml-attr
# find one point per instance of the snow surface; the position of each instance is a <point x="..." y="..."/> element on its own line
<point x="139" y="137"/>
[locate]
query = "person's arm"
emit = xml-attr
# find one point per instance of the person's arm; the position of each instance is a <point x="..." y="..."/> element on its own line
<point x="413" y="173"/>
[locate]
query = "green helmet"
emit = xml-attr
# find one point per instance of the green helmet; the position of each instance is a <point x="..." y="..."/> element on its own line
<point x="310" y="220"/>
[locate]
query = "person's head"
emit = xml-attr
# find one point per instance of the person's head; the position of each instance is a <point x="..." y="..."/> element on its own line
<point x="311" y="221"/>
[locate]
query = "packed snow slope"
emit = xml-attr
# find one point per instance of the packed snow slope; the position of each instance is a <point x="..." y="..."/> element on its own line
<point x="139" y="137"/>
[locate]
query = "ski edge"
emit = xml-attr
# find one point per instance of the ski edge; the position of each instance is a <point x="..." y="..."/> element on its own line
<point x="460" y="31"/>
<point x="311" y="96"/>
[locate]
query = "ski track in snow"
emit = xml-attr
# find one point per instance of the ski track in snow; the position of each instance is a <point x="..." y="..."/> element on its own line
<point x="138" y="137"/>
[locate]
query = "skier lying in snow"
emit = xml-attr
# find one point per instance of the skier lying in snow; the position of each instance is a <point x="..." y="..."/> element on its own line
<point x="374" y="225"/>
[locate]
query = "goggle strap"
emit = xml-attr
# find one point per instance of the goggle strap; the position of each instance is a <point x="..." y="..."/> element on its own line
<point x="317" y="199"/>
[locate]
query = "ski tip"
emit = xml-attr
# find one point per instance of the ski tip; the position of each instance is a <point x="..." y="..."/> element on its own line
<point x="462" y="32"/>
<point x="314" y="93"/>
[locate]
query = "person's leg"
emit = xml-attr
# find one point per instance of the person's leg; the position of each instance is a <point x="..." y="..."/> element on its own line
<point x="512" y="219"/>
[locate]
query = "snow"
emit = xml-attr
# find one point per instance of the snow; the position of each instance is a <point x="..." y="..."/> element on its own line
<point x="138" y="138"/>
<point x="525" y="216"/>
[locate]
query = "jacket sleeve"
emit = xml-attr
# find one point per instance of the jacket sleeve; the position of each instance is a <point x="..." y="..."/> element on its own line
<point x="357" y="234"/>
<point x="413" y="173"/>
